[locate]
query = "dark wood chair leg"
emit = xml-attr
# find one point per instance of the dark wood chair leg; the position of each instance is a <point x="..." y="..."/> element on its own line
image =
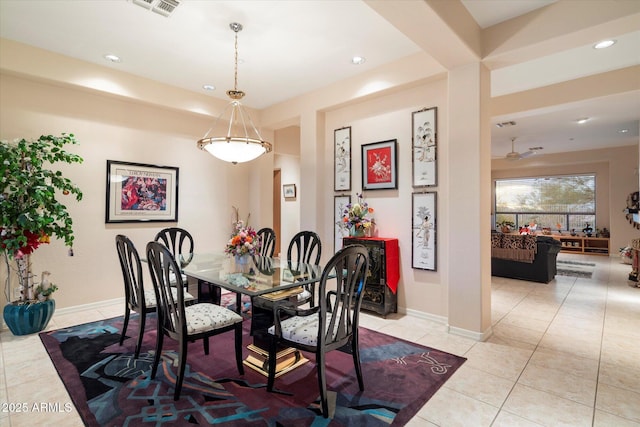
<point x="143" y="321"/>
<point x="322" y="382"/>
<point x="156" y="359"/>
<point x="238" y="343"/>
<point x="355" y="350"/>
<point x="205" y="343"/>
<point x="182" y="362"/>
<point x="127" y="312"/>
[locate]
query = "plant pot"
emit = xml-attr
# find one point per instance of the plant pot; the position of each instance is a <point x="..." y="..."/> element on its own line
<point x="28" y="318"/>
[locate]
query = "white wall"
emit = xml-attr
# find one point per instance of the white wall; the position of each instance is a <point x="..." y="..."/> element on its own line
<point x="380" y="119"/>
<point x="109" y="128"/>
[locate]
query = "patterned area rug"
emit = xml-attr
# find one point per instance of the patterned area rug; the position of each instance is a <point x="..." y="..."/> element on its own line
<point x="575" y="268"/>
<point x="111" y="388"/>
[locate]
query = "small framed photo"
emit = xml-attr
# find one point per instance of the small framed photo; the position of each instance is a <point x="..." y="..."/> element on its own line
<point x="138" y="192"/>
<point x="339" y="230"/>
<point x="424" y="147"/>
<point x="380" y="165"/>
<point x="423" y="231"/>
<point x="289" y="191"/>
<point x="342" y="159"/>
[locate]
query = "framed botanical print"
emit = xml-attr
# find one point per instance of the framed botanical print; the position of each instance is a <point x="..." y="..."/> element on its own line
<point x="423" y="231"/>
<point x="339" y="230"/>
<point x="342" y="159"/>
<point x="380" y="165"/>
<point x="138" y="192"/>
<point x="424" y="147"/>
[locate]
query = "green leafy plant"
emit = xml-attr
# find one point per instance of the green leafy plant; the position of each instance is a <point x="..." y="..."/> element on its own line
<point x="30" y="209"/>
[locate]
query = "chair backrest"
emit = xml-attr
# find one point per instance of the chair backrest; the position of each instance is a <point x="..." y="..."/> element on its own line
<point x="164" y="270"/>
<point x="341" y="290"/>
<point x="179" y="242"/>
<point x="305" y="247"/>
<point x="267" y="241"/>
<point x="131" y="273"/>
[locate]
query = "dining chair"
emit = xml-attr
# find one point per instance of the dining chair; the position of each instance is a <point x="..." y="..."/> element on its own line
<point x="137" y="299"/>
<point x="305" y="247"/>
<point x="267" y="241"/>
<point x="330" y="325"/>
<point x="185" y="323"/>
<point x="180" y="243"/>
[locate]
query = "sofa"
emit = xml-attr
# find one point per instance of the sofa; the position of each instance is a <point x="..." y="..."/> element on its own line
<point x="524" y="257"/>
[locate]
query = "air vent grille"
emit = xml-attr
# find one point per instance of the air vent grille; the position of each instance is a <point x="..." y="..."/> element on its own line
<point x="162" y="7"/>
<point x="506" y="124"/>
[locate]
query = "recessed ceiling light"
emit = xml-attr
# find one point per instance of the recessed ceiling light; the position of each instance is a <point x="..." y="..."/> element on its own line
<point x="623" y="131"/>
<point x="604" y="44"/>
<point x="582" y="120"/>
<point x="113" y="58"/>
<point x="357" y="60"/>
<point x="208" y="87"/>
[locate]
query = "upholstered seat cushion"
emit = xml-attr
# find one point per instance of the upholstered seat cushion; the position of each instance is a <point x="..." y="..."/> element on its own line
<point x="205" y="317"/>
<point x="301" y="329"/>
<point x="150" y="297"/>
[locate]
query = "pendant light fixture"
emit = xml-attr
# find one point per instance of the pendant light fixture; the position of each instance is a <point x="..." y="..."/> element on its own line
<point x="242" y="141"/>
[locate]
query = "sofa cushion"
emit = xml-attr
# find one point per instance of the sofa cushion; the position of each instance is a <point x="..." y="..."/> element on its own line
<point x="516" y="247"/>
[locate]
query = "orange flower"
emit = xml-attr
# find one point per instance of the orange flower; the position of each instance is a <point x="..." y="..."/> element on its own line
<point x="235" y="240"/>
<point x="248" y="239"/>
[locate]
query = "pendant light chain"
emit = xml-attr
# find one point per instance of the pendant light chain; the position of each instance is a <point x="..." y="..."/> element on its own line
<point x="235" y="77"/>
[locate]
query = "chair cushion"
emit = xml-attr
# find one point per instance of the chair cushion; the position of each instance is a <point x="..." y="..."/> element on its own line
<point x="150" y="297"/>
<point x="301" y="329"/>
<point x="205" y="317"/>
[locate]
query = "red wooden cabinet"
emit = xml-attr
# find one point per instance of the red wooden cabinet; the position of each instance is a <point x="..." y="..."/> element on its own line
<point x="380" y="294"/>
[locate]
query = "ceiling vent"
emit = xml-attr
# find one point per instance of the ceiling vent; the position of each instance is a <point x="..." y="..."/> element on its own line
<point x="162" y="7"/>
<point x="506" y="124"/>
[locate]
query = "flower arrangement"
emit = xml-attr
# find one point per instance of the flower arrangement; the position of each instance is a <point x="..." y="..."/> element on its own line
<point x="30" y="210"/>
<point x="355" y="214"/>
<point x="244" y="241"/>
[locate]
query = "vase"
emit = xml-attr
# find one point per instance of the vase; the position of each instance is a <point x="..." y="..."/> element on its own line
<point x="25" y="319"/>
<point x="356" y="231"/>
<point x="242" y="263"/>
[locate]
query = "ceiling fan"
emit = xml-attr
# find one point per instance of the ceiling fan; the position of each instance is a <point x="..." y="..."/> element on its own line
<point x="514" y="155"/>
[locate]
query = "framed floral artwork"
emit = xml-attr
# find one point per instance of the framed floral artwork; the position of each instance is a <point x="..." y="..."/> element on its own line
<point x="380" y="165"/>
<point x="423" y="231"/>
<point x="138" y="192"/>
<point x="289" y="191"/>
<point x="424" y="147"/>
<point x="342" y="159"/>
<point x="339" y="230"/>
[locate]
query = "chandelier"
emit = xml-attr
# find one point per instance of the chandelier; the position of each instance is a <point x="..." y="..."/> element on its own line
<point x="242" y="141"/>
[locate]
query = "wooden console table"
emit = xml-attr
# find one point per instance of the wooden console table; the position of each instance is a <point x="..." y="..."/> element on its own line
<point x="584" y="245"/>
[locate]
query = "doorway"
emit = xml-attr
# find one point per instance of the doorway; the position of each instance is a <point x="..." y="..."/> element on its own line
<point x="276" y="208"/>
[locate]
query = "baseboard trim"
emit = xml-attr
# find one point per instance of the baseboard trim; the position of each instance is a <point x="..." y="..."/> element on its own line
<point x="422" y="315"/>
<point x="477" y="336"/>
<point x="92" y="305"/>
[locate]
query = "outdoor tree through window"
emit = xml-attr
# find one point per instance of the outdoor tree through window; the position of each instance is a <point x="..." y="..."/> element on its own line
<point x="558" y="202"/>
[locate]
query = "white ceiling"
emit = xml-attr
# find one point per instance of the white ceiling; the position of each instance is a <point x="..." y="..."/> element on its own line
<point x="288" y="48"/>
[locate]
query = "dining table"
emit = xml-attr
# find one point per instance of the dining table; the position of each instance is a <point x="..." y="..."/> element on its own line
<point x="269" y="280"/>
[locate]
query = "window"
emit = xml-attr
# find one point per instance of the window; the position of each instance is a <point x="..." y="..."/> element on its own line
<point x="557" y="202"/>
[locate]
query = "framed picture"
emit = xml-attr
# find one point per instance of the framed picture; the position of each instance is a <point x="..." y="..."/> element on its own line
<point x="139" y="192"/>
<point x="423" y="231"/>
<point x="424" y="147"/>
<point x="339" y="231"/>
<point x="342" y="159"/>
<point x="380" y="165"/>
<point x="289" y="191"/>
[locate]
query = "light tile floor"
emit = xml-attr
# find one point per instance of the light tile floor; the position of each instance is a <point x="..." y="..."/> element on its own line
<point x="565" y="353"/>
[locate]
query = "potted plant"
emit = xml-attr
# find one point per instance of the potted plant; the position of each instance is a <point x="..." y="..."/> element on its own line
<point x="355" y="217"/>
<point x="506" y="226"/>
<point x="31" y="214"/>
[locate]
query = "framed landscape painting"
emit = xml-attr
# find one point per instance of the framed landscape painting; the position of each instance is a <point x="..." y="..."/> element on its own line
<point x="423" y="231"/>
<point x="380" y="165"/>
<point x="138" y="192"/>
<point x="342" y="159"/>
<point x="339" y="231"/>
<point x="424" y="147"/>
